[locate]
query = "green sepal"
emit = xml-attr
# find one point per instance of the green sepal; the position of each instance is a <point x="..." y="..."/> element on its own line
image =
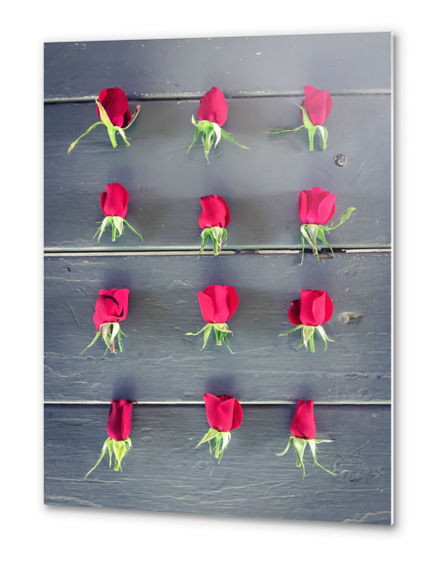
<point x="299" y="446"/>
<point x="109" y="331"/>
<point x="211" y="135"/>
<point x="321" y="235"/>
<point x="121" y="449"/>
<point x="117" y="228"/>
<point x="308" y="336"/>
<point x="277" y="131"/>
<point x="292" y="330"/>
<point x="312" y="444"/>
<point x="134" y="117"/>
<point x="112" y="129"/>
<point x="222" y="439"/>
<point x="231" y="139"/>
<point x="83" y="135"/>
<point x="313" y="128"/>
<point x="118" y="448"/>
<point x="344" y="218"/>
<point x="286" y="449"/>
<point x="221" y="331"/>
<point x="325" y="338"/>
<point x="98" y="333"/>
<point x="217" y="235"/>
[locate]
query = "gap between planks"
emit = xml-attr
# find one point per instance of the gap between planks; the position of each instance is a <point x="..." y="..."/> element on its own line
<point x="196" y="97"/>
<point x="90" y="253"/>
<point x="201" y="403"/>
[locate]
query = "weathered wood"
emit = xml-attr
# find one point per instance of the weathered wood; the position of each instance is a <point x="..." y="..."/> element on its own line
<point x="163" y="471"/>
<point x="237" y="65"/>
<point x="161" y="363"/>
<point x="261" y="185"/>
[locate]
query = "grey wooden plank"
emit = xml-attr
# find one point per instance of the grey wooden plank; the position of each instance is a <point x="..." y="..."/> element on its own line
<point x="161" y="363"/>
<point x="164" y="472"/>
<point x="342" y="62"/>
<point x="261" y="185"/>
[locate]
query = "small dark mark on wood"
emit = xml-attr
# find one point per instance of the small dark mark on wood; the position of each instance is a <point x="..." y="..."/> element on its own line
<point x="340" y="160"/>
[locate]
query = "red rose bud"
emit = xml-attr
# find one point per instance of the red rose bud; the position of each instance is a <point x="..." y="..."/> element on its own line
<point x="119" y="420"/>
<point x="316" y="207"/>
<point x="213" y="107"/>
<point x="217" y="303"/>
<point x="317" y="104"/>
<point x="111" y="308"/>
<point x="113" y="111"/>
<point x="315" y="109"/>
<point x="118" y="430"/>
<point x="303" y="424"/>
<point x="115" y="103"/>
<point x="212" y="114"/>
<point x="223" y="413"/>
<point x="213" y="219"/>
<point x="313" y="309"/>
<point x="114" y="205"/>
<point x="303" y="430"/>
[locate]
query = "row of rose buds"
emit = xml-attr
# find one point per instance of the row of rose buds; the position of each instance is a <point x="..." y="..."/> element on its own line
<point x="113" y="112"/>
<point x="224" y="414"/>
<point x="316" y="207"/>
<point x="217" y="303"/>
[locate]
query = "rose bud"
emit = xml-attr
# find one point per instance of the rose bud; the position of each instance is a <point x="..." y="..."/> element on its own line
<point x="114" y="205"/>
<point x="118" y="430"/>
<point x="316" y="207"/>
<point x="217" y="303"/>
<point x="111" y="308"/>
<point x="313" y="309"/>
<point x="113" y="111"/>
<point x="303" y="430"/>
<point x="212" y="114"/>
<point x="315" y="109"/>
<point x="213" y="219"/>
<point x="223" y="413"/>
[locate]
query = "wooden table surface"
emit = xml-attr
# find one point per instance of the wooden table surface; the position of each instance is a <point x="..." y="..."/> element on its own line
<point x="162" y="368"/>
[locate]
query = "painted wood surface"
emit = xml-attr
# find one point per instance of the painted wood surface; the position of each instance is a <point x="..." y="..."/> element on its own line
<point x="261" y="185"/>
<point x="161" y="363"/>
<point x="164" y="471"/>
<point x="237" y="65"/>
<point x="161" y="367"/>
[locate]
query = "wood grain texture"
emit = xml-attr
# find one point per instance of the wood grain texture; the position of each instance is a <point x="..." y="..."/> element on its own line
<point x="163" y="471"/>
<point x="261" y="185"/>
<point x="161" y="363"/>
<point x="237" y="65"/>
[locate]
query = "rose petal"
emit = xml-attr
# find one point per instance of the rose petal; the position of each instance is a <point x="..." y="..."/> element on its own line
<point x="303" y="424"/>
<point x="317" y="107"/>
<point x="232" y="300"/>
<point x="213" y="107"/>
<point x="309" y="93"/>
<point x="126" y="420"/>
<point x="237" y="415"/>
<point x="114" y="203"/>
<point x="319" y="308"/>
<point x="302" y="206"/>
<point x="211" y="402"/>
<point x="115" y="103"/>
<point x="329" y="308"/>
<point x="326" y="209"/>
<point x="306" y="308"/>
<point x="214" y="212"/>
<point x="225" y="302"/>
<point x="206" y="307"/>
<point x="294" y="312"/>
<point x="114" y="422"/>
<point x="314" y="197"/>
